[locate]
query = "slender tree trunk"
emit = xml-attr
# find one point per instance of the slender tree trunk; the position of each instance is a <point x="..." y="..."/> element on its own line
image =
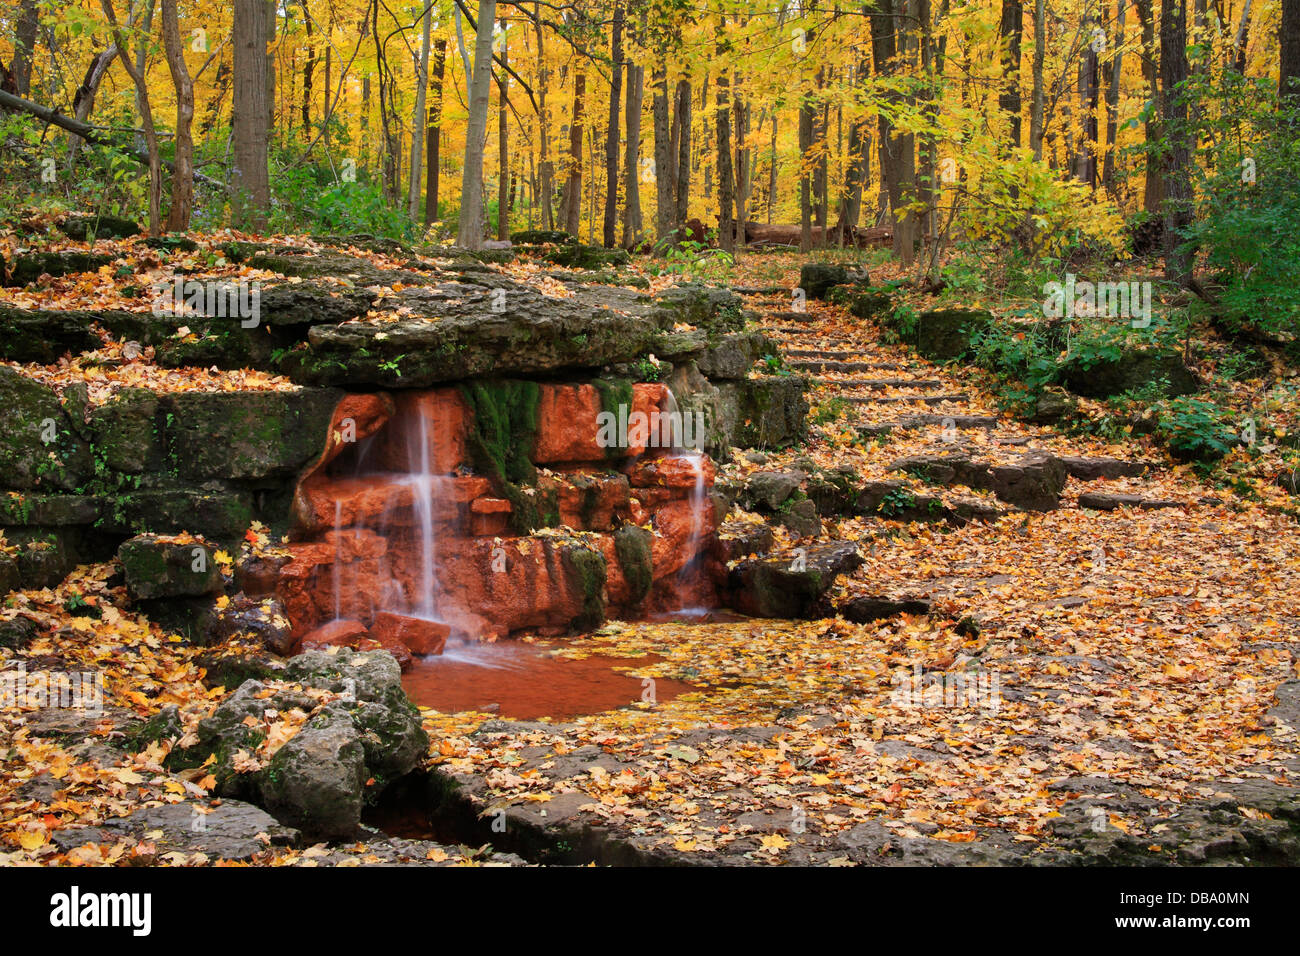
<point x="178" y="217"/>
<point x="1037" y="106"/>
<point x="503" y="144"/>
<point x="433" y="151"/>
<point x="1086" y="163"/>
<point x="1178" y="157"/>
<point x="1153" y="191"/>
<point x="744" y="177"/>
<point x="470" y="227"/>
<point x="726" y="175"/>
<point x="611" y="130"/>
<point x="682" y="177"/>
<point x="664" y="198"/>
<point x="25" y="46"/>
<point x="146" y="119"/>
<point x="418" y="118"/>
<point x="771" y="182"/>
<point x="632" y="221"/>
<point x="1114" y="77"/>
<point x="1009" y="33"/>
<point x="546" y="171"/>
<point x="1289" y="37"/>
<point x="573" y="189"/>
<point x="1239" y="41"/>
<point x="83" y="101"/>
<point x="308" y="74"/>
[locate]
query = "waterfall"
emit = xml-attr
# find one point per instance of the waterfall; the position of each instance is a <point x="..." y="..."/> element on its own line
<point x="686" y="441"/>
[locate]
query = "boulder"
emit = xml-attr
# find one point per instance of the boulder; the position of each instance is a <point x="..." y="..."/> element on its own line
<point x="27" y="267"/>
<point x="768" y="490"/>
<point x="316" y="780"/>
<point x="946" y="334"/>
<point x="242" y="435"/>
<point x="348" y="751"/>
<point x="768" y="411"/>
<point x="1132" y="370"/>
<point x="90" y="228"/>
<point x="818" y="278"/>
<point x="44" y="336"/>
<point x="39" y="448"/>
<point x="790" y="585"/>
<point x="158" y="567"/>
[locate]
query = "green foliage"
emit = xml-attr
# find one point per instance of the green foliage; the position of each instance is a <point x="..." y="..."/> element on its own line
<point x="1196" y="430"/>
<point x="697" y="262"/>
<point x="314" y="198"/>
<point x="1249" y="201"/>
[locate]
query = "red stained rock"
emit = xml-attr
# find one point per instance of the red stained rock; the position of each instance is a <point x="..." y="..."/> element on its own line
<point x="336" y="633"/>
<point x="673" y="471"/>
<point x="445" y="418"/>
<point x="364" y="561"/>
<point x="421" y="636"/>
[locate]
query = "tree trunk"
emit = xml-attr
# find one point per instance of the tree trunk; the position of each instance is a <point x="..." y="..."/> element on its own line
<point x="1086" y="162"/>
<point x="1153" y="191"/>
<point x="546" y="172"/>
<point x="1178" y="157"/>
<point x="611" y="130"/>
<point x="726" y="175"/>
<point x="664" y="198"/>
<point x="470" y="227"/>
<point x="418" y="118"/>
<point x="632" y="221"/>
<point x="572" y="205"/>
<point x="433" y="159"/>
<point x="682" y="176"/>
<point x="771" y="183"/>
<point x="1113" y="79"/>
<point x="1239" y="41"/>
<point x="83" y="101"/>
<point x="25" y="46"/>
<point x="1009" y="33"/>
<point x="250" y="116"/>
<point x="1289" y="36"/>
<point x="178" y="217"/>
<point x="308" y="73"/>
<point x="1036" y="107"/>
<point x="146" y="118"/>
<point x="503" y="143"/>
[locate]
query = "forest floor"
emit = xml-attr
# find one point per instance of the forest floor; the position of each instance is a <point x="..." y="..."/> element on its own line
<point x="1135" y="672"/>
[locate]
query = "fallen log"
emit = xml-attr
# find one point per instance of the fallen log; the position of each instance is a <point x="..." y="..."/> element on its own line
<point x="780" y="234"/>
<point x="87" y="132"/>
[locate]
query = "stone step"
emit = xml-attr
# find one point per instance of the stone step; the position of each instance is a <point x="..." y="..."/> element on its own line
<point x="878" y="382"/>
<point x="1092" y="469"/>
<point x="765" y="290"/>
<point x="897" y="399"/>
<point x="913" y="422"/>
<point x="791" y="316"/>
<point x="1108" y="501"/>
<point x="1032" y="483"/>
<point x="866" y="608"/>
<point x="814" y="365"/>
<point x="835" y="354"/>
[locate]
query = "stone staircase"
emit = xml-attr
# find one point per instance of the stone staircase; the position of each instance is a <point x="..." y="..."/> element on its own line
<point x="949" y="457"/>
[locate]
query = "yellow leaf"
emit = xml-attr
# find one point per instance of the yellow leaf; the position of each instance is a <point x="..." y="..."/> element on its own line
<point x="31" y="839"/>
<point x="775" y="842"/>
